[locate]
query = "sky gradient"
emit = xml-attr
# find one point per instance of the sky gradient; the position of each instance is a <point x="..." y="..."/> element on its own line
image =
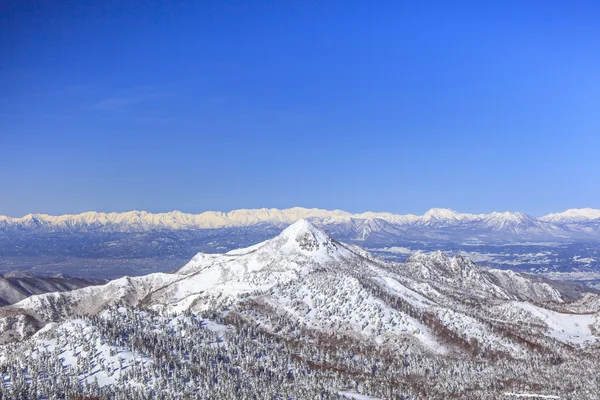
<point x="195" y="106"/>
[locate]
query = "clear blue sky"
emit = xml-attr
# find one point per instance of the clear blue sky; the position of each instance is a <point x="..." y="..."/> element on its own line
<point x="216" y="105"/>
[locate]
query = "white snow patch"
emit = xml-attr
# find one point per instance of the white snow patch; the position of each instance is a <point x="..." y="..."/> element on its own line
<point x="532" y="395"/>
<point x="567" y="328"/>
<point x="413" y="298"/>
<point x="357" y="396"/>
<point x="396" y="250"/>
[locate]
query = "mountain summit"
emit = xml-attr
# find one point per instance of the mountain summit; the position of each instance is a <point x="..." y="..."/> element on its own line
<point x="307" y="237"/>
<point x="300" y="255"/>
<point x="295" y="249"/>
<point x="324" y="306"/>
<point x="441" y="214"/>
<point x="573" y="216"/>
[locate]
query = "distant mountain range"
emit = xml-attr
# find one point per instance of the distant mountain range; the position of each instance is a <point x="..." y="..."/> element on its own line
<point x="112" y="245"/>
<point x="440" y="224"/>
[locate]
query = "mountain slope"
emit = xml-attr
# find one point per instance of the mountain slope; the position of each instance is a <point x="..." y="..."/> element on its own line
<point x="305" y="260"/>
<point x="459" y="274"/>
<point x="18" y="286"/>
<point x="297" y="251"/>
<point x="287" y="315"/>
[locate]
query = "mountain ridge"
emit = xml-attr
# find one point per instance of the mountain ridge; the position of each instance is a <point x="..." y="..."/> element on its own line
<point x="143" y="220"/>
<point x="162" y="242"/>
<point x="301" y="252"/>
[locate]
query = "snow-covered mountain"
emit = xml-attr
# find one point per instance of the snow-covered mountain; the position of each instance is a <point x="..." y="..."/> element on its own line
<point x="519" y="225"/>
<point x="177" y="232"/>
<point x="437" y="222"/>
<point x="299" y="250"/>
<point x="322" y="309"/>
<point x="444" y="216"/>
<point x="139" y="221"/>
<point x="572" y="216"/>
<point x="583" y="222"/>
<point x="301" y="255"/>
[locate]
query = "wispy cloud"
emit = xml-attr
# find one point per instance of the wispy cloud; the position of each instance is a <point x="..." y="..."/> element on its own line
<point x="125" y="99"/>
<point x="137" y="104"/>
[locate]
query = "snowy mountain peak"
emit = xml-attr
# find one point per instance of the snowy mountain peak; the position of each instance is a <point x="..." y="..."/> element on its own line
<point x="441" y="214"/>
<point x="573" y="215"/>
<point x="369" y="228"/>
<point x="509" y="217"/>
<point x="296" y="247"/>
<point x="305" y="235"/>
<point x="300" y="227"/>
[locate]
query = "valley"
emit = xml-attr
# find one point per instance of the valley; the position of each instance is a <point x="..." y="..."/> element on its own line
<point x="98" y="245"/>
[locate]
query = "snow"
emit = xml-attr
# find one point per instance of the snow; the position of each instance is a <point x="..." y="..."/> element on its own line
<point x="573" y="215"/>
<point x="299" y="249"/>
<point x="142" y="220"/>
<point x="413" y="298"/>
<point x="518" y="223"/>
<point x="471" y="328"/>
<point x="567" y="328"/>
<point x="48" y="327"/>
<point x="133" y="221"/>
<point x="532" y="395"/>
<point x="507" y="216"/>
<point x="292" y="254"/>
<point x="584" y="260"/>
<point x="305" y="277"/>
<point x="321" y="284"/>
<point x="356" y="396"/>
<point x="215" y="327"/>
<point x="397" y="250"/>
<point x="334" y="302"/>
<point x="69" y="355"/>
<point x="437" y="216"/>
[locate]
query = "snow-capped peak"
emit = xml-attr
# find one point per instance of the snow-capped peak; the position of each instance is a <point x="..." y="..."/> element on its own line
<point x="508" y="217"/>
<point x="300" y="227"/>
<point x="297" y="245"/>
<point x="573" y="215"/>
<point x="305" y="235"/>
<point x="305" y="240"/>
<point x="446" y="216"/>
<point x="441" y="214"/>
<point x="362" y="225"/>
<point x="512" y="221"/>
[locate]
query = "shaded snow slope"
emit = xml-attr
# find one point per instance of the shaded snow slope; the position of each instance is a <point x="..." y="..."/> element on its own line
<point x="570" y="328"/>
<point x="15" y="287"/>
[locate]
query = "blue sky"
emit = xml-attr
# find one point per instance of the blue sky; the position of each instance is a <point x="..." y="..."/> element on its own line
<point x="383" y="106"/>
